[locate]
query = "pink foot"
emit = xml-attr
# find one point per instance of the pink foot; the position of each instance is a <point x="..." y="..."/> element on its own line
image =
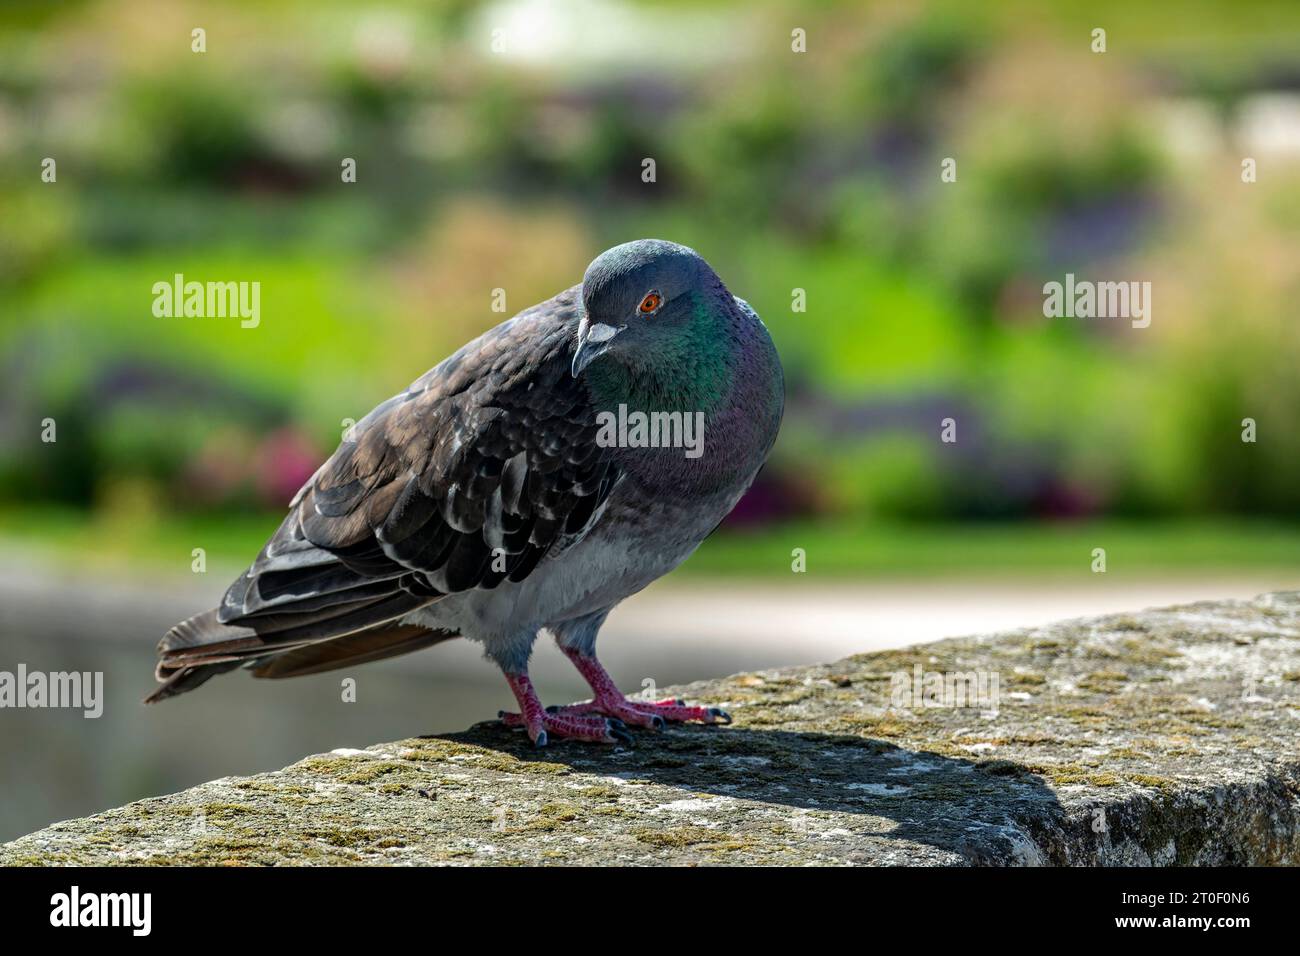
<point x="645" y="713"/>
<point x="542" y="725"/>
<point x="607" y="699"/>
<point x="597" y="729"/>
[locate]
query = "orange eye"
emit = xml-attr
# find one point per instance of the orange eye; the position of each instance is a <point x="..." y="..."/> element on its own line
<point x="650" y="303"/>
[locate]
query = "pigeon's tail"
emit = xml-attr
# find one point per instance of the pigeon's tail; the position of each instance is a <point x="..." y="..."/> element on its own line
<point x="201" y="647"/>
<point x="195" y="650"/>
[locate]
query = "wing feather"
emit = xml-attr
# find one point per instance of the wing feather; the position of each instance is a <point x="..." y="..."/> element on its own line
<point x="494" y="448"/>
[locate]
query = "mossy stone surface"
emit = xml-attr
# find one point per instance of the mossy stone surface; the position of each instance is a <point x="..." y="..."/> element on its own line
<point x="1163" y="737"/>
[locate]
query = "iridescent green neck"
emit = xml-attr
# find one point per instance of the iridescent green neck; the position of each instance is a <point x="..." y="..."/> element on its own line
<point x="689" y="370"/>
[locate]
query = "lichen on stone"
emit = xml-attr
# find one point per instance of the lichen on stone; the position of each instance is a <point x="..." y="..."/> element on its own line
<point x="1163" y="737"/>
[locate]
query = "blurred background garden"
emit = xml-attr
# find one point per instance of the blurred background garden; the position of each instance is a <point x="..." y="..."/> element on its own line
<point x="500" y="146"/>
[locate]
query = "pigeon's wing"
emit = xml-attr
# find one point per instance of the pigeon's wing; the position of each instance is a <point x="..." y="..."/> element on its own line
<point x="465" y="480"/>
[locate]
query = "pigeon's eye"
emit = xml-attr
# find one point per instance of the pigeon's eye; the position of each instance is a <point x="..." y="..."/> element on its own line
<point x="650" y="304"/>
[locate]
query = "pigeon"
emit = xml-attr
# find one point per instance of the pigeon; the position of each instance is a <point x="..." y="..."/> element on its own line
<point x="547" y="470"/>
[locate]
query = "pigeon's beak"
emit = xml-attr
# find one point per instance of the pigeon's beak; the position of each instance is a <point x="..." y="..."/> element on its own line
<point x="594" y="340"/>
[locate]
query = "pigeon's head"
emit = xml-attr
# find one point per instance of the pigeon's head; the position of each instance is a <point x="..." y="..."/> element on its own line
<point x="644" y="299"/>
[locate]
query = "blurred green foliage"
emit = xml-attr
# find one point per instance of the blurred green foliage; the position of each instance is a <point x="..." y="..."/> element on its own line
<point x="817" y="171"/>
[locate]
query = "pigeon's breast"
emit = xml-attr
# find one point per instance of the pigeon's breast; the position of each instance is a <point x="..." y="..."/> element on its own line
<point x="666" y="502"/>
<point x="633" y="542"/>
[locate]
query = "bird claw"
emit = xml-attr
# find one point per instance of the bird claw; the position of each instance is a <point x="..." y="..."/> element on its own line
<point x="553" y="722"/>
<point x="655" y="715"/>
<point x="621" y="736"/>
<point x="605" y="718"/>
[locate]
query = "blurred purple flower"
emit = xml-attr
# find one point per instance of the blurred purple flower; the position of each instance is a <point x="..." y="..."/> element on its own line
<point x="285" y="459"/>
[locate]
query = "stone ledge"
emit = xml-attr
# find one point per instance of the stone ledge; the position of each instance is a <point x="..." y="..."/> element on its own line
<point x="1161" y="737"/>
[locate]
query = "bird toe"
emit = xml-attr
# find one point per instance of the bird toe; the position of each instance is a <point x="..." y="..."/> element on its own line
<point x="618" y="735"/>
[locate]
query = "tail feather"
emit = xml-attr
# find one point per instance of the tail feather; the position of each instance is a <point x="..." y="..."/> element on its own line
<point x="202" y="631"/>
<point x="372" y="644"/>
<point x="180" y="680"/>
<point x="201" y="647"/>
